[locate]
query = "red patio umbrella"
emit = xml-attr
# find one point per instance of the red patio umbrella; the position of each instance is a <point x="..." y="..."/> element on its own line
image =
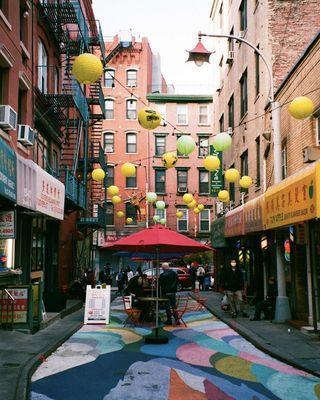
<point x="158" y="239"/>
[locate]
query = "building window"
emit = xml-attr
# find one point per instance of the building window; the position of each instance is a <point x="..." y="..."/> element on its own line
<point x="231" y="112"/>
<point x="131" y="109"/>
<point x="42" y="68"/>
<point x="162" y="109"/>
<point x="258" y="161"/>
<point x="203" y="115"/>
<point x="232" y="188"/>
<point x="244" y="94"/>
<point x="182" y="181"/>
<point x="160" y="145"/>
<point x="22" y="98"/>
<point x="257" y="65"/>
<point x="244" y="166"/>
<point x="182" y="114"/>
<point x="221" y="123"/>
<point x="182" y="223"/>
<point x="109" y="105"/>
<point x="56" y="80"/>
<point x="243" y="15"/>
<point x="131" y="213"/>
<point x="131" y="143"/>
<point x="55" y="161"/>
<point x="203" y="182"/>
<point x="40" y="154"/>
<point x="221" y="16"/>
<point x="23" y="23"/>
<point x="110" y="213"/>
<point x="132" y="77"/>
<point x="38" y="247"/>
<point x="108" y="142"/>
<point x="161" y="213"/>
<point x="284" y="159"/>
<point x="109" y="78"/>
<point x="203" y="146"/>
<point x="231" y="41"/>
<point x="160" y="180"/>
<point x="204" y="220"/>
<point x="131" y="181"/>
<point x="110" y="175"/>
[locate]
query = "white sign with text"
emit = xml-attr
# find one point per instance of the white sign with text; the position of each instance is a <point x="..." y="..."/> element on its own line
<point x="97" y="309"/>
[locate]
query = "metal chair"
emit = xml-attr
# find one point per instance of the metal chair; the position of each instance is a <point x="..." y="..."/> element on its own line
<point x="133" y="314"/>
<point x="181" y="308"/>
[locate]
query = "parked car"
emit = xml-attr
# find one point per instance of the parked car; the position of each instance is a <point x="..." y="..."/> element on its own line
<point x="184" y="281"/>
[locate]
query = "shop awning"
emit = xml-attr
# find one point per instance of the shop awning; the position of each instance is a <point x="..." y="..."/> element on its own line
<point x="254" y="215"/>
<point x="217" y="233"/>
<point x="295" y="199"/>
<point x="234" y="224"/>
<point x="38" y="190"/>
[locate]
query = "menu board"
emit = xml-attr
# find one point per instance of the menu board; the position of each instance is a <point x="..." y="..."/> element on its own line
<point x="19" y="314"/>
<point x="97" y="309"/>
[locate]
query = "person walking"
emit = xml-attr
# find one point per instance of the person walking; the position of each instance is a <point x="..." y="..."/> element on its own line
<point x="233" y="284"/>
<point x="200" y="277"/>
<point x="207" y="278"/>
<point x="269" y="303"/>
<point x="121" y="279"/>
<point x="168" y="282"/>
<point x="193" y="276"/>
<point x="129" y="273"/>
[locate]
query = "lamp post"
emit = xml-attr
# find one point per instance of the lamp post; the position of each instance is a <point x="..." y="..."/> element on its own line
<point x="201" y="55"/>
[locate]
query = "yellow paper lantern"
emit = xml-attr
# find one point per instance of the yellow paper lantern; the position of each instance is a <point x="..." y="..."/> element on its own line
<point x="98" y="174"/>
<point x="232" y="175"/>
<point x="129" y="221"/>
<point x="187" y="198"/>
<point x="120" y="214"/>
<point x="87" y="68"/>
<point x="128" y="170"/>
<point x="179" y="214"/>
<point x="211" y="163"/>
<point x="113" y="190"/>
<point x="301" y="107"/>
<point x="200" y="207"/>
<point x="196" y="210"/>
<point x="245" y="182"/>
<point x="223" y="196"/>
<point x="192" y="204"/>
<point x="116" y="199"/>
<point x="169" y="160"/>
<point x="148" y="118"/>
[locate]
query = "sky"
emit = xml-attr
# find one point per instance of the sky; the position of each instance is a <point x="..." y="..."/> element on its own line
<point x="171" y="27"/>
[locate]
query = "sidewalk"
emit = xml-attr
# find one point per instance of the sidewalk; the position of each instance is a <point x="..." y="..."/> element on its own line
<point x="278" y="340"/>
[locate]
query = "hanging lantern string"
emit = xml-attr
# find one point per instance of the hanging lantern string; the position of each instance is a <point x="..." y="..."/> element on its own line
<point x="183" y="133"/>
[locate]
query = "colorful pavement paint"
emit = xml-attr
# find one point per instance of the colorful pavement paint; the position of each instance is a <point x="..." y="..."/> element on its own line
<point x="205" y="361"/>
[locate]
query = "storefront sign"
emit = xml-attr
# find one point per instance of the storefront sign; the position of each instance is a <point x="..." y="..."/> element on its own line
<point x="293" y="200"/>
<point x="216" y="176"/>
<point x="217" y="233"/>
<point x="97" y="308"/>
<point x="20" y="306"/>
<point x="7" y="224"/>
<point x="253" y="215"/>
<point x="8" y="172"/>
<point x="234" y="225"/>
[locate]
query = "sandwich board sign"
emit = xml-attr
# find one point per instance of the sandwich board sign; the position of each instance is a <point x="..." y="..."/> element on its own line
<point x="97" y="308"/>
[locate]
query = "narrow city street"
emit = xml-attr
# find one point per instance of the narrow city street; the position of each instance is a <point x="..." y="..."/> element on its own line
<point x="205" y="360"/>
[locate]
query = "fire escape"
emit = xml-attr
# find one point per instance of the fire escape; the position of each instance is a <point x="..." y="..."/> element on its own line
<point x="77" y="109"/>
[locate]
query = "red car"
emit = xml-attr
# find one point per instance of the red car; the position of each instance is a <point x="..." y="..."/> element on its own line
<point x="184" y="281"/>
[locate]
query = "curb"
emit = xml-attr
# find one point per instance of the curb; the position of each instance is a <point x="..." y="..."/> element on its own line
<point x="251" y="338"/>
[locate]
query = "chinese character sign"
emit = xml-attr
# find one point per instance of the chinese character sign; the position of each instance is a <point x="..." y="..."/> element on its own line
<point x="216" y="176"/>
<point x="20" y="306"/>
<point x="7" y="224"/>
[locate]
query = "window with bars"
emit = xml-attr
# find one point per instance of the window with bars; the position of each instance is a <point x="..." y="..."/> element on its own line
<point x="160" y="181"/>
<point x="131" y="109"/>
<point x="203" y="148"/>
<point x="231" y="112"/>
<point x="131" y="213"/>
<point x="182" y="223"/>
<point x="131" y="77"/>
<point x="182" y="114"/>
<point x="110" y="175"/>
<point x="204" y="220"/>
<point x="182" y="181"/>
<point x="109" y="106"/>
<point x="108" y="138"/>
<point x="131" y="181"/>
<point x="244" y="94"/>
<point x="110" y="213"/>
<point x="203" y="182"/>
<point x="131" y="142"/>
<point x="160" y="145"/>
<point x="109" y="78"/>
<point x="203" y="114"/>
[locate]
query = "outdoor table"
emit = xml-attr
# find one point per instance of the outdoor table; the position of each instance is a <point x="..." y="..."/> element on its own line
<point x="150" y="311"/>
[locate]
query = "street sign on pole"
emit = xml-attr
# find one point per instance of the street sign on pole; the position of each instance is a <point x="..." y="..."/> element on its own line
<point x="216" y="183"/>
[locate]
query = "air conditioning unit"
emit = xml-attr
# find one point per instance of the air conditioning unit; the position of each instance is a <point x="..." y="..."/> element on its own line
<point x="25" y="135"/>
<point x="311" y="154"/>
<point x="182" y="189"/>
<point x="230" y="57"/>
<point x="8" y="118"/>
<point x="242" y="34"/>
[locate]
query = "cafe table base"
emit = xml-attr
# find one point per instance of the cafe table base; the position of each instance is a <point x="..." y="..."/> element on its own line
<point x="157" y="336"/>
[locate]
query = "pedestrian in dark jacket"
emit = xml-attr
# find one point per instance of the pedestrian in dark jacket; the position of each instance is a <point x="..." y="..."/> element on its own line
<point x="268" y="303"/>
<point x="168" y="282"/>
<point x="233" y="284"/>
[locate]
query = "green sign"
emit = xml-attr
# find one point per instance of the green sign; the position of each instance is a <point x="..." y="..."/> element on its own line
<point x="216" y="176"/>
<point x="217" y="233"/>
<point x="8" y="172"/>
